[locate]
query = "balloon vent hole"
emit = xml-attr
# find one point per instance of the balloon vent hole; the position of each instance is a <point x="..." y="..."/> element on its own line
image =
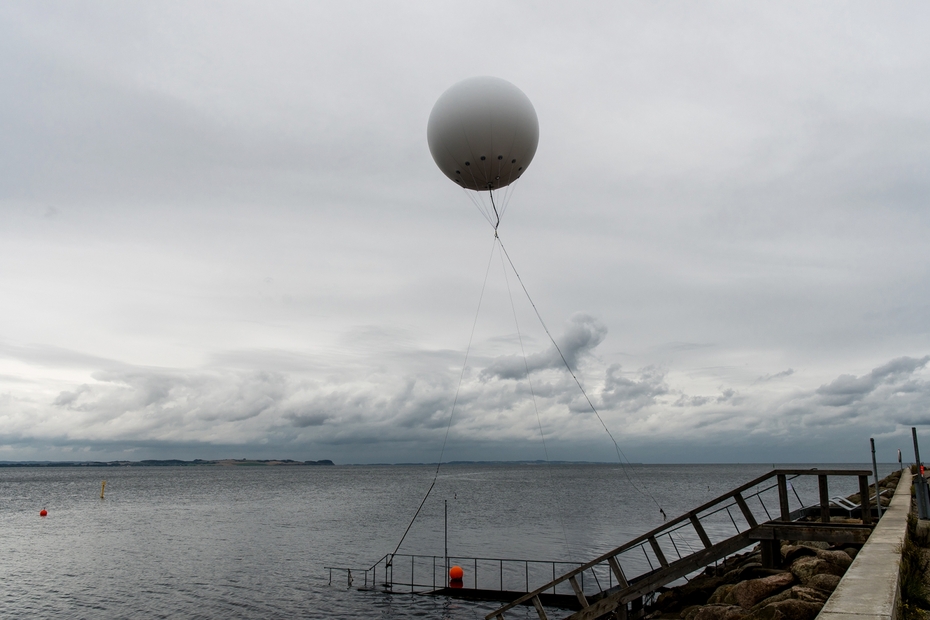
<point x="483" y="158"/>
<point x="520" y="168"/>
<point x="513" y="161"/>
<point x="500" y="157"/>
<point x="458" y="172"/>
<point x="467" y="163"/>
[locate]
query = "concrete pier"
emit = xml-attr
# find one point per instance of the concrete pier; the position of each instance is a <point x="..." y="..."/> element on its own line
<point x="870" y="589"/>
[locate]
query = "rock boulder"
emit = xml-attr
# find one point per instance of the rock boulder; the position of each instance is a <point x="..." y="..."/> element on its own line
<point x="790" y="609"/>
<point x="748" y="593"/>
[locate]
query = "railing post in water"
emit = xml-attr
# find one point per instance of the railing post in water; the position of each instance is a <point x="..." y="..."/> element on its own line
<point x="824" y="499"/>
<point x="783" y="497"/>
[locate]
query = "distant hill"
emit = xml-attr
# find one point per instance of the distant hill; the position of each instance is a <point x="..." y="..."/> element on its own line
<point x="170" y="463"/>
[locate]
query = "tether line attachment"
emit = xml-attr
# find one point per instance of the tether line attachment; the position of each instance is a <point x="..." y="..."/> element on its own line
<point x="620" y="455"/>
<point x="455" y="400"/>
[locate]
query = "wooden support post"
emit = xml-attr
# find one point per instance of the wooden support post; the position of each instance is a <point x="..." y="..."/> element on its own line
<point x="771" y="553"/>
<point x="783" y="497"/>
<point x="696" y="524"/>
<point x="824" y="499"/>
<point x="744" y="508"/>
<point x="539" y="608"/>
<point x="618" y="572"/>
<point x="864" y="500"/>
<point x="658" y="551"/>
<point x="578" y="591"/>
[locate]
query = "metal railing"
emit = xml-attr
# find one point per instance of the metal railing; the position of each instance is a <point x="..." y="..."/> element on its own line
<point x="403" y="572"/>
<point x="685" y="543"/>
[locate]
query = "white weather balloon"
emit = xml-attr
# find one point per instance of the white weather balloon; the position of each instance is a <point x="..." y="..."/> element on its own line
<point x="483" y="133"/>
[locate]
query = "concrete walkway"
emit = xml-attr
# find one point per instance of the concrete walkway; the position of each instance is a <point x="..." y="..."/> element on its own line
<point x="870" y="588"/>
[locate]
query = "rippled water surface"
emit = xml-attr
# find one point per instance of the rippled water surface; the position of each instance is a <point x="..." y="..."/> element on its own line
<point x="252" y="542"/>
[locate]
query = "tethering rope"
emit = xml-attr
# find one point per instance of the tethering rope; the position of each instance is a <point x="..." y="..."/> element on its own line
<point x="495" y="223"/>
<point x="542" y="435"/>
<point x="454" y="402"/>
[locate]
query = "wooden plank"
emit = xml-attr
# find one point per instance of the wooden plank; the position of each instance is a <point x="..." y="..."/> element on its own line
<point x="658" y="551"/>
<point x="824" y="499"/>
<point x="660" y="577"/>
<point x="783" y="497"/>
<point x="696" y="524"/>
<point x="618" y="572"/>
<point x="744" y="508"/>
<point x="578" y="591"/>
<point x="836" y="532"/>
<point x="825" y="472"/>
<point x="539" y="608"/>
<point x="864" y="499"/>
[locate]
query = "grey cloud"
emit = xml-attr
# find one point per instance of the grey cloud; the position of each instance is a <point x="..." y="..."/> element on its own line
<point x="728" y="395"/>
<point x="303" y="420"/>
<point x="154" y="399"/>
<point x="582" y="335"/>
<point x="777" y="375"/>
<point x="56" y="357"/>
<point x="633" y="394"/>
<point x="848" y="389"/>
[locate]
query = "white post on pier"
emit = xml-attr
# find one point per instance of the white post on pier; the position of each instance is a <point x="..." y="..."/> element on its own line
<point x="445" y="577"/>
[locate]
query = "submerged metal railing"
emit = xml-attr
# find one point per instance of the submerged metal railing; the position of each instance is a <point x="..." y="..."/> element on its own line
<point x="404" y="572"/>
<point x="679" y="547"/>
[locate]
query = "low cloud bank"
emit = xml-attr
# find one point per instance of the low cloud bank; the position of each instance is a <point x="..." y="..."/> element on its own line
<point x="129" y="405"/>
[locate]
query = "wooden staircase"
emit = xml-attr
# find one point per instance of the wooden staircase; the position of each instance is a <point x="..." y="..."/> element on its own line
<point x="619" y="579"/>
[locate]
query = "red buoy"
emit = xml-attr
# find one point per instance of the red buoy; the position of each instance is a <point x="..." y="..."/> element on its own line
<point x="456" y="572"/>
<point x="43" y="513"/>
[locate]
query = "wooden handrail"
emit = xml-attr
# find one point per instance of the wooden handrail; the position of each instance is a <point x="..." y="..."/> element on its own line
<point x="669" y="525"/>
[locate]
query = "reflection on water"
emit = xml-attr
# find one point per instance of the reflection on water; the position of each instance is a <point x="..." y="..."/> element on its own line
<point x="218" y="542"/>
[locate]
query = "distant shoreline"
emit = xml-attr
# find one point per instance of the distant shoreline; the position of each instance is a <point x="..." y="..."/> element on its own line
<point x="171" y="463"/>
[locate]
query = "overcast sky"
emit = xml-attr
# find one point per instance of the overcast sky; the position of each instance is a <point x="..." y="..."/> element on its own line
<point x="222" y="233"/>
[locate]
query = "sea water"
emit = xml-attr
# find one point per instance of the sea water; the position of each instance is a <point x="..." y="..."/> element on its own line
<point x="252" y="542"/>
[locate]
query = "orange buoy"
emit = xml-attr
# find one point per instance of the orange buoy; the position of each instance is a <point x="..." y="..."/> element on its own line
<point x="43" y="513"/>
<point x="456" y="573"/>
